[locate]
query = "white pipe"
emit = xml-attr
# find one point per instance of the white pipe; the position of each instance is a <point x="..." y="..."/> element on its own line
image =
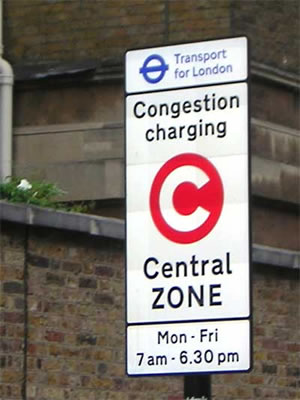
<point x="1" y="30"/>
<point x="6" y="91"/>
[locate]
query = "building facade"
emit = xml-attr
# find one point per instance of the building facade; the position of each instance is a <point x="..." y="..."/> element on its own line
<point x="62" y="291"/>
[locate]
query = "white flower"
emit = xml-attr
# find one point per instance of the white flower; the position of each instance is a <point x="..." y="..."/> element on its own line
<point x="24" y="185"/>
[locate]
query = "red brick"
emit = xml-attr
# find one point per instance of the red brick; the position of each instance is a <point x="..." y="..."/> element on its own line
<point x="14" y="317"/>
<point x="53" y="336"/>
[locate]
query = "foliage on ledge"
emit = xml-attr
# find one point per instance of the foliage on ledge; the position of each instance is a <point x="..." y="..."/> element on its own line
<point x="42" y="194"/>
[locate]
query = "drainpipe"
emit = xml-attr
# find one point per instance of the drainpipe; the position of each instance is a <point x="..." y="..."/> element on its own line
<point x="6" y="89"/>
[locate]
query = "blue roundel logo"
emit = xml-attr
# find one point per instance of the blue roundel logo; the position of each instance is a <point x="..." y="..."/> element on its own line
<point x="154" y="68"/>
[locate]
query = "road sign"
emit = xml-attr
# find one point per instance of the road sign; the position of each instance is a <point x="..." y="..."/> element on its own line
<point x="186" y="65"/>
<point x="187" y="200"/>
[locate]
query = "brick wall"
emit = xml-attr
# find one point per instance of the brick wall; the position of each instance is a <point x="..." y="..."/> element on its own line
<point x="42" y="31"/>
<point x="197" y="20"/>
<point x="62" y="325"/>
<point x="67" y="340"/>
<point x="79" y="29"/>
<point x="273" y="27"/>
<point x="12" y="316"/>
<point x="276" y="371"/>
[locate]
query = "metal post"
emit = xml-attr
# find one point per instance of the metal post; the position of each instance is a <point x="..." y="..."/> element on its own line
<point x="197" y="387"/>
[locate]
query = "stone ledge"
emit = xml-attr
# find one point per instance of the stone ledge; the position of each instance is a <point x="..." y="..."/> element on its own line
<point x="67" y="128"/>
<point x="47" y="217"/>
<point x="95" y="71"/>
<point x="275" y="75"/>
<point x="115" y="228"/>
<point x="275" y="256"/>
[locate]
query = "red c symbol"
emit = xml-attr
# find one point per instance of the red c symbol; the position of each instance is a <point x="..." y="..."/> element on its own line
<point x="187" y="197"/>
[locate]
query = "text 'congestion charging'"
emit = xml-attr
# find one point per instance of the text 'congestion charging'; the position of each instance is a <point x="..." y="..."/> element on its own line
<point x="175" y="110"/>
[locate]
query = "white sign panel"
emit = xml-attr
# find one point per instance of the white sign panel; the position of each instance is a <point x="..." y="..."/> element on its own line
<point x="190" y="347"/>
<point x="187" y="223"/>
<point x="187" y="264"/>
<point x="184" y="65"/>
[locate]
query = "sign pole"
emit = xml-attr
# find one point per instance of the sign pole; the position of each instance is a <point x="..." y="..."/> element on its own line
<point x="197" y="387"/>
